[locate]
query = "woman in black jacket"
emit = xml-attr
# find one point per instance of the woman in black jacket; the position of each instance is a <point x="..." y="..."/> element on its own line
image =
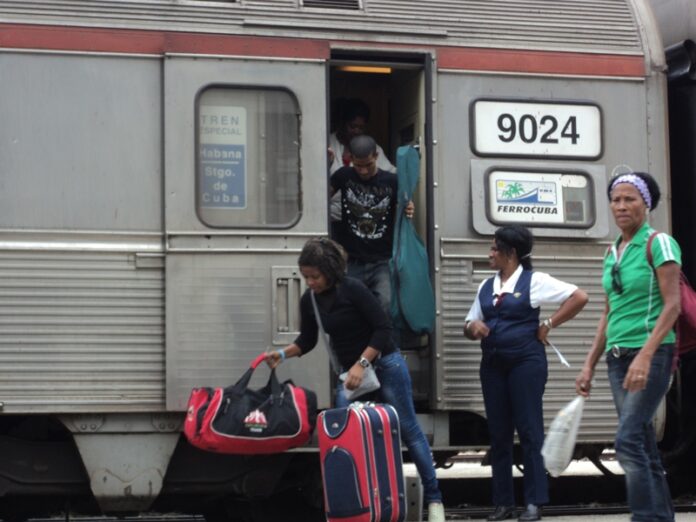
<point x="361" y="336"/>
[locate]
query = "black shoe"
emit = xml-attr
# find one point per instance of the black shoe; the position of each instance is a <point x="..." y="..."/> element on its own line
<point x="502" y="513"/>
<point x="530" y="514"/>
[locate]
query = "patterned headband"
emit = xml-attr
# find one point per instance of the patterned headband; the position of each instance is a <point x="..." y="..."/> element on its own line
<point x="637" y="182"/>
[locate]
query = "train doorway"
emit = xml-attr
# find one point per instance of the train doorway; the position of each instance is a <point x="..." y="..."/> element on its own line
<point x="395" y="90"/>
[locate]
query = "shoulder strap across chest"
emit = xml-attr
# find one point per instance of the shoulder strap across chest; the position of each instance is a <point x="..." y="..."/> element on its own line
<point x="648" y="252"/>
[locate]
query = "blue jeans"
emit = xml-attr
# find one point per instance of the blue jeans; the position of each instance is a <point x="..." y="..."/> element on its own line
<point x="376" y="277"/>
<point x="395" y="390"/>
<point x="636" y="449"/>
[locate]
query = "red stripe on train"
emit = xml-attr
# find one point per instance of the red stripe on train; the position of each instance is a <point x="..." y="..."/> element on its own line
<point x="156" y="42"/>
<point x="17" y="36"/>
<point x="547" y="62"/>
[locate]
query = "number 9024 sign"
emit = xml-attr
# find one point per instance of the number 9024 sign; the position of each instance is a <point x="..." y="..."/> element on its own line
<point x="536" y="129"/>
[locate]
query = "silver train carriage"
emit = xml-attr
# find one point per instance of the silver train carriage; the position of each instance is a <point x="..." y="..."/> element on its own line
<point x="163" y="162"/>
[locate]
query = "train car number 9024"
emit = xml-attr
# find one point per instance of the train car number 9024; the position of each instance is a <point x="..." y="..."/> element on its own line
<point x="536" y="129"/>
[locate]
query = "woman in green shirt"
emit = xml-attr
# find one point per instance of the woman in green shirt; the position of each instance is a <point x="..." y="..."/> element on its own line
<point x="635" y="331"/>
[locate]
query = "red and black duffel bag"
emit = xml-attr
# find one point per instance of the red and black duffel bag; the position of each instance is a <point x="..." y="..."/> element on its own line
<point x="241" y="421"/>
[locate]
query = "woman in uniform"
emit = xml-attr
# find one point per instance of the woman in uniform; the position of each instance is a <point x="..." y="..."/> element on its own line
<point x="505" y="317"/>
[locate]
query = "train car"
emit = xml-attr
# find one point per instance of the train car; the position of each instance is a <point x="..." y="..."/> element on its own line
<point x="163" y="162"/>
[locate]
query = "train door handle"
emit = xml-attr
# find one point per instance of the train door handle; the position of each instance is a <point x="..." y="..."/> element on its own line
<point x="287" y="289"/>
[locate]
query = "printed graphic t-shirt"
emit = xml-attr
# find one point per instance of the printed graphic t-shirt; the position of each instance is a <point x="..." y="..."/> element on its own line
<point x="367" y="210"/>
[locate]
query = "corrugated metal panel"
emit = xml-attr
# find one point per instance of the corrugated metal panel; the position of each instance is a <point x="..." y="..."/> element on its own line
<point x="332" y="4"/>
<point x="589" y="25"/>
<point x="593" y="24"/>
<point x="460" y="277"/>
<point x="218" y="321"/>
<point x="80" y="331"/>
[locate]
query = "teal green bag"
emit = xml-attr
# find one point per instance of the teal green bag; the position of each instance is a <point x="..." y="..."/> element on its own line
<point x="413" y="301"/>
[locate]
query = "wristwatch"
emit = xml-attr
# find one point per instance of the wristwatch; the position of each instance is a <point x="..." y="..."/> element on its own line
<point x="364" y="362"/>
<point x="548" y="323"/>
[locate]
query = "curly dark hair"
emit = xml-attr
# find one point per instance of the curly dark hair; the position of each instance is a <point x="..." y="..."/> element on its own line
<point x="653" y="187"/>
<point x="327" y="256"/>
<point x="516" y="239"/>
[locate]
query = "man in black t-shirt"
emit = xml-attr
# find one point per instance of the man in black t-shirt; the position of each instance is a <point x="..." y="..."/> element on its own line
<point x="368" y="209"/>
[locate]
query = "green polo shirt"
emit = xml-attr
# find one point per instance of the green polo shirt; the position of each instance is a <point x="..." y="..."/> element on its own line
<point x="633" y="313"/>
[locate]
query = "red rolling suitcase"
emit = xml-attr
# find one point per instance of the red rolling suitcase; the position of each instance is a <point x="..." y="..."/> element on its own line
<point x="361" y="465"/>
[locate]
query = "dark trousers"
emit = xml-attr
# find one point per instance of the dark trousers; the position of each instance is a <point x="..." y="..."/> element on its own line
<point x="513" y="384"/>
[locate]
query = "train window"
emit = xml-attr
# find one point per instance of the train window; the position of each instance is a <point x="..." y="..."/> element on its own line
<point x="248" y="157"/>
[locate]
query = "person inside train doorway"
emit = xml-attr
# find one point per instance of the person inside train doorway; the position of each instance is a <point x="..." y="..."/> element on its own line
<point x="505" y="318"/>
<point x="353" y="116"/>
<point x="368" y="208"/>
<point x="360" y="336"/>
<point x="635" y="332"/>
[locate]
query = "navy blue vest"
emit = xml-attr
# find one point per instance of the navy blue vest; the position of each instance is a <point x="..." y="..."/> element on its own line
<point x="512" y="322"/>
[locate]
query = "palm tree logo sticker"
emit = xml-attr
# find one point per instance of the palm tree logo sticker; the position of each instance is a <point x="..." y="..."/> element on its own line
<point x="512" y="191"/>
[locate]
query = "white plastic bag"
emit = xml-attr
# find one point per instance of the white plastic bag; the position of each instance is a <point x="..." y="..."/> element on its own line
<point x="560" y="440"/>
<point x="369" y="383"/>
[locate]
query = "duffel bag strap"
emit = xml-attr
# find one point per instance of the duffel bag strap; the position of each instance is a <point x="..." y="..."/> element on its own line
<point x="273" y="387"/>
<point x="243" y="383"/>
<point x="259" y="359"/>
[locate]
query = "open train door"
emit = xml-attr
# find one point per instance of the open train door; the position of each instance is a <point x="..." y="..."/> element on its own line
<point x="245" y="187"/>
<point x="397" y="87"/>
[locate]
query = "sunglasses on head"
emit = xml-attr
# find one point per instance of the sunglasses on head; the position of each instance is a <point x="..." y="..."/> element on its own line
<point x="616" y="279"/>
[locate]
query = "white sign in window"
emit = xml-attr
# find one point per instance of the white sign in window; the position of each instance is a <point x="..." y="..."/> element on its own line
<point x="536" y="129"/>
<point x="223" y="144"/>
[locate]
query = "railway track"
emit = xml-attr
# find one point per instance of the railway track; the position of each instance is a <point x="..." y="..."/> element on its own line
<point x="452" y="513"/>
<point x="465" y="499"/>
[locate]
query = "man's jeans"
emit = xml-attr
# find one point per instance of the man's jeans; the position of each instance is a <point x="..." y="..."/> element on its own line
<point x="376" y="277"/>
<point x="396" y="390"/>
<point x="636" y="449"/>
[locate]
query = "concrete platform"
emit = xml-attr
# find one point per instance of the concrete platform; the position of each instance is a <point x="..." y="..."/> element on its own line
<point x="462" y="470"/>
<point x="681" y="517"/>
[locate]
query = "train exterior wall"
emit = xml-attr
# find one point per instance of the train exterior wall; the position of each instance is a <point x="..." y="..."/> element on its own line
<point x="462" y="259"/>
<point x="123" y="287"/>
<point x="101" y="102"/>
<point x="81" y="261"/>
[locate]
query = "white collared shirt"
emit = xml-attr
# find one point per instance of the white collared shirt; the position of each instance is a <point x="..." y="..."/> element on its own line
<point x="543" y="290"/>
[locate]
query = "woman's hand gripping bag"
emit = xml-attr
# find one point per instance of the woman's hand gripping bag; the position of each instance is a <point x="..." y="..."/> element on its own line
<point x="560" y="440"/>
<point x="237" y="420"/>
